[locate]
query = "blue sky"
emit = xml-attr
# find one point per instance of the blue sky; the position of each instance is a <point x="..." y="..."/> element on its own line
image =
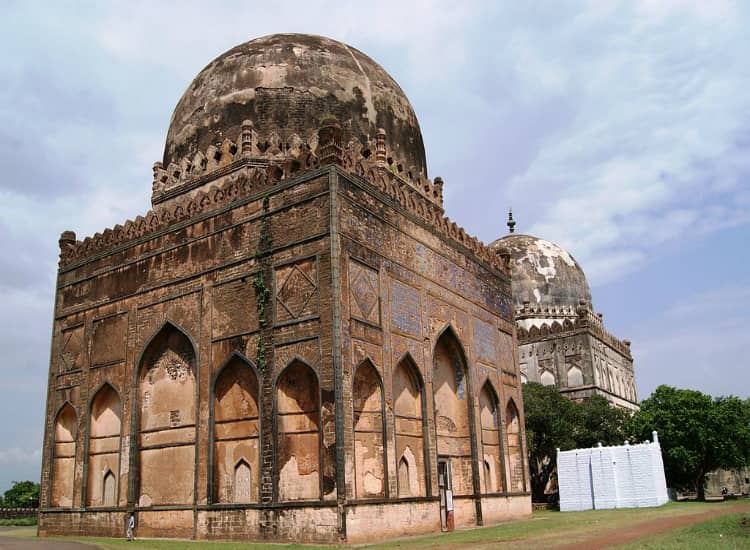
<point x="620" y="130"/>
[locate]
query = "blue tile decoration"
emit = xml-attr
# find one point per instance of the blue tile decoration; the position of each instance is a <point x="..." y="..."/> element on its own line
<point x="485" y="342"/>
<point x="405" y="308"/>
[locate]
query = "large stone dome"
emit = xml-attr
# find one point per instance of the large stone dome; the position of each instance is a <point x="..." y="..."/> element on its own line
<point x="543" y="273"/>
<point x="285" y="84"/>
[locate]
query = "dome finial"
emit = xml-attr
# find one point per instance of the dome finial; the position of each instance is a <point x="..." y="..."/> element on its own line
<point x="511" y="222"/>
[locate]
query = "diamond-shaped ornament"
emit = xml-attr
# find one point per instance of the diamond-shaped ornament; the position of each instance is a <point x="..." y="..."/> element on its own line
<point x="364" y="294"/>
<point x="295" y="292"/>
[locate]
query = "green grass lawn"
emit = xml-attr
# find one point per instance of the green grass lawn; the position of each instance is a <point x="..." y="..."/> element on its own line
<point x="544" y="530"/>
<point x="18" y="532"/>
<point x="730" y="531"/>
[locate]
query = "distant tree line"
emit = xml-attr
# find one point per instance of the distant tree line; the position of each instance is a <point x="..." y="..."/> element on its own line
<point x="698" y="433"/>
<point x="23" y="494"/>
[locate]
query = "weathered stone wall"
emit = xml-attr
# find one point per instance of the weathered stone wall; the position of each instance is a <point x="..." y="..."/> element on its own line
<point x="155" y="321"/>
<point x="579" y="362"/>
<point x="237" y="374"/>
<point x="736" y="482"/>
<point x="435" y="325"/>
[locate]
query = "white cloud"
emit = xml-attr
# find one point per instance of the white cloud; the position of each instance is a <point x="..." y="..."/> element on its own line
<point x="656" y="145"/>
<point x="20" y="456"/>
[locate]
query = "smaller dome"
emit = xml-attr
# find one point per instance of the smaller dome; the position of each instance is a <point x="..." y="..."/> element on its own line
<point x="543" y="273"/>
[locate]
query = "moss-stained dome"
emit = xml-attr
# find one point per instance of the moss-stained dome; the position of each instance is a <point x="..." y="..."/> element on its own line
<point x="285" y="84"/>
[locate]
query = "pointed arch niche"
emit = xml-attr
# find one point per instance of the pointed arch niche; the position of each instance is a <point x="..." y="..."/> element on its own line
<point x="298" y="433"/>
<point x="575" y="377"/>
<point x="408" y="409"/>
<point x="547" y="378"/>
<point x="492" y="478"/>
<point x="369" y="449"/>
<point x="514" y="463"/>
<point x="104" y="448"/>
<point x="235" y="432"/>
<point x="64" y="457"/>
<point x="452" y="420"/>
<point x="166" y="437"/>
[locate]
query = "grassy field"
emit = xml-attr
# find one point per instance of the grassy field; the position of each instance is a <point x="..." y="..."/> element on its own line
<point x="546" y="529"/>
<point x="730" y="531"/>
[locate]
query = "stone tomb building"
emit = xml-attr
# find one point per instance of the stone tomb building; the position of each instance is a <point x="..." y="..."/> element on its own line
<point x="294" y="343"/>
<point x="562" y="342"/>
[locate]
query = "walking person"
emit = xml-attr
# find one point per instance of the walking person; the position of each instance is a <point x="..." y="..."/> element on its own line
<point x="131" y="527"/>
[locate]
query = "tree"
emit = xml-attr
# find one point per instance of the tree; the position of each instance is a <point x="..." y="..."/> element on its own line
<point x="599" y="422"/>
<point x="698" y="434"/>
<point x="23" y="494"/>
<point x="550" y="424"/>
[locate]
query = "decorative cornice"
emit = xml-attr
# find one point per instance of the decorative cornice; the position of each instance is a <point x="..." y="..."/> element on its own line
<point x="241" y="177"/>
<point x="290" y="155"/>
<point x="527" y="311"/>
<point x="237" y="185"/>
<point x="585" y="319"/>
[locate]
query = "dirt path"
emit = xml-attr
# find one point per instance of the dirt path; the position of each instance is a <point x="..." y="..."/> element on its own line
<point x="632" y="533"/>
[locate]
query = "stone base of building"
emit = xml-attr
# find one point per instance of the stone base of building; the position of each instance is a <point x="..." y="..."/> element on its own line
<point x="319" y="523"/>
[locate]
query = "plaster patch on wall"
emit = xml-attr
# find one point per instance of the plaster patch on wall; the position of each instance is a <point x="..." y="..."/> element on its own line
<point x="294" y="485"/>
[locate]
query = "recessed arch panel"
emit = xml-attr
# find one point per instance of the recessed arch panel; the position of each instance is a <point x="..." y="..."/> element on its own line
<point x="514" y="463"/>
<point x="369" y="448"/>
<point x="64" y="457"/>
<point x="547" y="378"/>
<point x="450" y="389"/>
<point x="575" y="377"/>
<point x="236" y="429"/>
<point x="105" y="427"/>
<point x="298" y="433"/>
<point x="109" y="489"/>
<point x="167" y="385"/>
<point x="408" y="410"/>
<point x="492" y="481"/>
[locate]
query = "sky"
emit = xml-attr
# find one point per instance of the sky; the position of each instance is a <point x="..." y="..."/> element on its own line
<point x="619" y="130"/>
